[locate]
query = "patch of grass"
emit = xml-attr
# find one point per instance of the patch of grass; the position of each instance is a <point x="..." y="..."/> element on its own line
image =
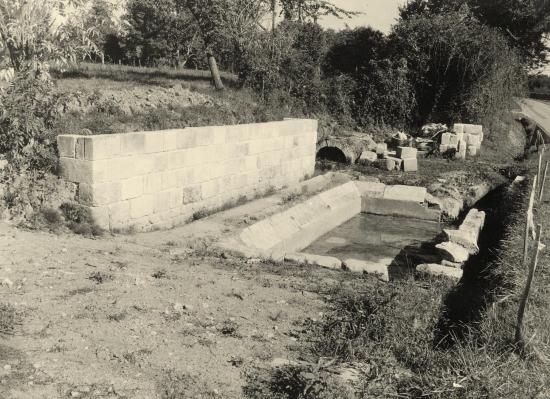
<point x="7" y="319"/>
<point x="174" y="385"/>
<point x="229" y="328"/>
<point x="80" y="219"/>
<point x="99" y="277"/>
<point x="160" y="274"/>
<point x="295" y="382"/>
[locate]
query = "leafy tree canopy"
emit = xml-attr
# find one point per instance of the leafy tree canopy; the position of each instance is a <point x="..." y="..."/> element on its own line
<point x="525" y="23"/>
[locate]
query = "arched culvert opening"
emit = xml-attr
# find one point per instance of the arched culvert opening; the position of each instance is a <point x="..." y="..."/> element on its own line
<point x="333" y="154"/>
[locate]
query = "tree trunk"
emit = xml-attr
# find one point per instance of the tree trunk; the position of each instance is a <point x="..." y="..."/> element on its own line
<point x="216" y="78"/>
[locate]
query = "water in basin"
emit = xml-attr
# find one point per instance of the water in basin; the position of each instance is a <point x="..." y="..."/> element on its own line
<point x="380" y="239"/>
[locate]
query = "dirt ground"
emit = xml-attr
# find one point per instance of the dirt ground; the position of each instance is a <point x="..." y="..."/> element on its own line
<point x="118" y="317"/>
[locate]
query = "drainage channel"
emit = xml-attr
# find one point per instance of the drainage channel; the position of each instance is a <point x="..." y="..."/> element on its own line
<point x="464" y="305"/>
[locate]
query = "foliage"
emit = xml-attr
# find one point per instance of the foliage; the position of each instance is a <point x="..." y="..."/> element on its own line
<point x="80" y="219"/>
<point x="7" y="319"/>
<point x="524" y="24"/>
<point x="462" y="70"/>
<point x="160" y="33"/>
<point x="539" y="86"/>
<point x="38" y="31"/>
<point x="288" y="61"/>
<point x="29" y="110"/>
<point x="295" y="382"/>
<point x="311" y="10"/>
<point x="26" y="191"/>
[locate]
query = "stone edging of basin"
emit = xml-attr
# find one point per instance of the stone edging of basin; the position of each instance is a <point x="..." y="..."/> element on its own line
<point x="285" y="234"/>
<point x="460" y="245"/>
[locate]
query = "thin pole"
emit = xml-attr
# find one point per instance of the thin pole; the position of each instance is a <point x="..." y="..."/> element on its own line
<point x="541" y="194"/>
<point x="519" y="339"/>
<point x="528" y="219"/>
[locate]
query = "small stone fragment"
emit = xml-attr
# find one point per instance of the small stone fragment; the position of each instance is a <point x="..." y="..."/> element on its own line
<point x="435" y="269"/>
<point x="381" y="270"/>
<point x="453" y="252"/>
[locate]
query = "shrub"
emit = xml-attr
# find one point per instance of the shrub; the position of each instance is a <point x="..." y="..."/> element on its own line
<point x="29" y="112"/>
<point x="7" y="319"/>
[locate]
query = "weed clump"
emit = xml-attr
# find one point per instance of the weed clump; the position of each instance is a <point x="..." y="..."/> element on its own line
<point x="7" y="319"/>
<point x="80" y="219"/>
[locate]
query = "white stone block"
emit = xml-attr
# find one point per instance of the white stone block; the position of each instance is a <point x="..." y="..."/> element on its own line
<point x="142" y="206"/>
<point x="132" y="187"/>
<point x="405" y="193"/>
<point x="378" y="269"/>
<point x="99" y="194"/>
<point x="76" y="170"/>
<point x="453" y="252"/>
<point x="170" y="140"/>
<point x="439" y="270"/>
<point x="406" y="152"/>
<point x="132" y="143"/>
<point x="98" y="147"/>
<point x="154" y="142"/>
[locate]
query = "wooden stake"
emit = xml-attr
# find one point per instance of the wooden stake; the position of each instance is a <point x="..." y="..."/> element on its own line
<point x="541" y="194"/>
<point x="528" y="218"/>
<point x="519" y="339"/>
<point x="540" y="163"/>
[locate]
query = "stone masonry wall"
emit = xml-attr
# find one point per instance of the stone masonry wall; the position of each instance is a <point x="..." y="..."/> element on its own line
<point x="149" y="180"/>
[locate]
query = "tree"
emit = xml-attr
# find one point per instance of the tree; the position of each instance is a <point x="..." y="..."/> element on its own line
<point x="159" y="32"/>
<point x="225" y="22"/>
<point x="37" y="31"/>
<point x="524" y="23"/>
<point x="462" y="70"/>
<point x="311" y="10"/>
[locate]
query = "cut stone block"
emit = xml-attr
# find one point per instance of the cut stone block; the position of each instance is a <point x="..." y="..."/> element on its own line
<point x="410" y="165"/>
<point x="473" y="129"/>
<point x="406" y="152"/>
<point x="397" y="162"/>
<point x="453" y="140"/>
<point x="472" y="150"/>
<point x="379" y="269"/>
<point x="439" y="270"/>
<point x="446" y="139"/>
<point x="94" y="148"/>
<point x="443" y="148"/>
<point x="458" y="128"/>
<point x="311" y="259"/>
<point x="371" y="189"/>
<point x="406" y="193"/>
<point x="464" y="238"/>
<point x="453" y="252"/>
<point x="132" y="143"/>
<point x="461" y="153"/>
<point x="385" y="164"/>
<point x="66" y="145"/>
<point x="381" y="149"/>
<point x="367" y="157"/>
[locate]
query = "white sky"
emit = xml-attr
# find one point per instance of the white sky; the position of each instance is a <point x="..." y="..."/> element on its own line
<point x="379" y="14"/>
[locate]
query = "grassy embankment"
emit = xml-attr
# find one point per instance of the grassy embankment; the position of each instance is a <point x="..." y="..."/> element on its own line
<point x="232" y="105"/>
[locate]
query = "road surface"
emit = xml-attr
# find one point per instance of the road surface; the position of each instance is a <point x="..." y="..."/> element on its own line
<point x="539" y="111"/>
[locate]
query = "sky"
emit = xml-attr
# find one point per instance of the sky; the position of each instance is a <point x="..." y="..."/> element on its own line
<point x="379" y="14"/>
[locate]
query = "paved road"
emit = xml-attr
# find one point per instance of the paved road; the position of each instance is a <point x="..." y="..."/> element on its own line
<point x="539" y="111"/>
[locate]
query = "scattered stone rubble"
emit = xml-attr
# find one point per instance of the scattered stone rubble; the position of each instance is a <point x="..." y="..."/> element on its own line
<point x="460" y="245"/>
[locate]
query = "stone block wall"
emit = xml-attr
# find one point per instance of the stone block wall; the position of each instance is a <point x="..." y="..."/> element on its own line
<point x="159" y="179"/>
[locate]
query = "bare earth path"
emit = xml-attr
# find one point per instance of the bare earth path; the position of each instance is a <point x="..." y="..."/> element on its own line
<point x="115" y="317"/>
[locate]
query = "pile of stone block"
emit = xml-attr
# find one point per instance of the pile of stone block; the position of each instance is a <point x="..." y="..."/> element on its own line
<point x="461" y="243"/>
<point x="464" y="140"/>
